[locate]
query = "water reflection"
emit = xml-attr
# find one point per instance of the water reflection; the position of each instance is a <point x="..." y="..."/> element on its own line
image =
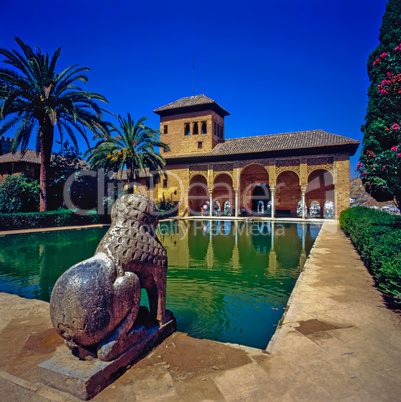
<point x="31" y="263"/>
<point x="227" y="280"/>
<point x="238" y="243"/>
<point x="230" y="280"/>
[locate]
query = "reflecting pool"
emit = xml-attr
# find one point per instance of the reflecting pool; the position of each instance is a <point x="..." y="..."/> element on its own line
<point x="227" y="281"/>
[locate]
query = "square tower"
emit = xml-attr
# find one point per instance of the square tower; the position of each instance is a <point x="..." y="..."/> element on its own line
<point x="194" y="124"/>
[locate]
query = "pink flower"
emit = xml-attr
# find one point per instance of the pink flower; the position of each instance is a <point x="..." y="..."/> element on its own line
<point x="359" y="165"/>
<point x="383" y="55"/>
<point x="394" y="148"/>
<point x="363" y="173"/>
<point x="395" y="126"/>
<point x="384" y="167"/>
<point x="399" y="155"/>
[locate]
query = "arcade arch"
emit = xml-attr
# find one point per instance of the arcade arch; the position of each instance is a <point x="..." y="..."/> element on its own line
<point x="223" y="191"/>
<point x="320" y="189"/>
<point x="198" y="194"/>
<point x="260" y="199"/>
<point x="287" y="194"/>
<point x="254" y="187"/>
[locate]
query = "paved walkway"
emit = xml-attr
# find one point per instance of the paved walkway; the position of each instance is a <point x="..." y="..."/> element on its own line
<point x="338" y="341"/>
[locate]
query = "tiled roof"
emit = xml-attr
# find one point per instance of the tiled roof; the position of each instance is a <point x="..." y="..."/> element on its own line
<point x="191" y="101"/>
<point x="275" y="142"/>
<point x="30" y="156"/>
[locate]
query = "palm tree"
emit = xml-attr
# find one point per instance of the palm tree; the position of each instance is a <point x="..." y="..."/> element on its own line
<point x="35" y="99"/>
<point x="132" y="149"/>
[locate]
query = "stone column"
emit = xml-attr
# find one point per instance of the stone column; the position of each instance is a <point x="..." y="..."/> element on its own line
<point x="236" y="201"/>
<point x="272" y="190"/>
<point x="303" y="190"/>
<point x="210" y="201"/>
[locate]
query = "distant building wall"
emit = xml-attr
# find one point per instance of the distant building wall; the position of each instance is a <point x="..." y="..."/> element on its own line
<point x="5" y="145"/>
<point x="29" y="170"/>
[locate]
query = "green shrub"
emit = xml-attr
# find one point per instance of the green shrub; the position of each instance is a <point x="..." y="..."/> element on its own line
<point x="62" y="217"/>
<point x="167" y="208"/>
<point x="19" y="193"/>
<point x="377" y="237"/>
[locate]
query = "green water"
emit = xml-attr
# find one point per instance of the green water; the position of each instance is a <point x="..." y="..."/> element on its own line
<point x="226" y="281"/>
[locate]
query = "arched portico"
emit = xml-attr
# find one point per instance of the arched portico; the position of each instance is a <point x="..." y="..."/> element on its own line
<point x="287" y="193"/>
<point x="197" y="194"/>
<point x="223" y="191"/>
<point x="253" y="176"/>
<point x="320" y="189"/>
<point x="260" y="199"/>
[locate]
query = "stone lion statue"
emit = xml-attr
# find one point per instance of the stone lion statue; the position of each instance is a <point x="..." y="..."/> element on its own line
<point x="95" y="303"/>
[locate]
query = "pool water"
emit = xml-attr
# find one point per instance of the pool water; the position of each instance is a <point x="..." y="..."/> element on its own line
<point x="227" y="281"/>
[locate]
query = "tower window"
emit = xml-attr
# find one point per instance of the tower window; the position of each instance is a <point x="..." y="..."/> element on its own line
<point x="164" y="183"/>
<point x="200" y="144"/>
<point x="165" y="129"/>
<point x="196" y="129"/>
<point x="187" y="130"/>
<point x="204" y="127"/>
<point x="215" y="129"/>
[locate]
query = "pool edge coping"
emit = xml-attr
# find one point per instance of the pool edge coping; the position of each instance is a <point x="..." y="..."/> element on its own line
<point x="281" y="331"/>
<point x="172" y="219"/>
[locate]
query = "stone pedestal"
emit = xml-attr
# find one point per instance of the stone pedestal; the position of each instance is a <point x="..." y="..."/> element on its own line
<point x="85" y="379"/>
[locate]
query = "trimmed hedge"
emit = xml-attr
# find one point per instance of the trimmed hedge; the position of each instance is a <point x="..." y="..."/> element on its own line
<point x="377" y="237"/>
<point x="62" y="217"/>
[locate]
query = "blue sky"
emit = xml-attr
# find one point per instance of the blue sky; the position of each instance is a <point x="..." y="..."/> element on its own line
<point x="276" y="66"/>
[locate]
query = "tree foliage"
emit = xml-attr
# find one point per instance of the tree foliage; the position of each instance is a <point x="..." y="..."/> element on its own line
<point x="380" y="160"/>
<point x="82" y="188"/>
<point x="34" y="99"/>
<point x="131" y="150"/>
<point x="19" y="194"/>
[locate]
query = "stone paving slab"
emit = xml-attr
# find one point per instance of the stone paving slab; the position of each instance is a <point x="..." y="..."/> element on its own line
<point x="86" y="378"/>
<point x="337" y="342"/>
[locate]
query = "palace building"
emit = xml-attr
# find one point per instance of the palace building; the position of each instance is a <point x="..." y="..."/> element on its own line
<point x="303" y="173"/>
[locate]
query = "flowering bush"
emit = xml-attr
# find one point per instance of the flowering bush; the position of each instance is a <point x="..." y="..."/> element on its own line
<point x="380" y="160"/>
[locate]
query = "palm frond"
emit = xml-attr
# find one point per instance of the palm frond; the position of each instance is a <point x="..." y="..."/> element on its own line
<point x="9" y="124"/>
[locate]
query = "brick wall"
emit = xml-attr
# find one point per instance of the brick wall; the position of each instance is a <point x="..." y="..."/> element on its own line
<point x="342" y="183"/>
<point x="174" y="131"/>
<point x="288" y="192"/>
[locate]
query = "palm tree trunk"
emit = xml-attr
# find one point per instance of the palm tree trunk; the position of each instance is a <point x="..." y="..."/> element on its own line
<point x="46" y="143"/>
<point x="397" y="202"/>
